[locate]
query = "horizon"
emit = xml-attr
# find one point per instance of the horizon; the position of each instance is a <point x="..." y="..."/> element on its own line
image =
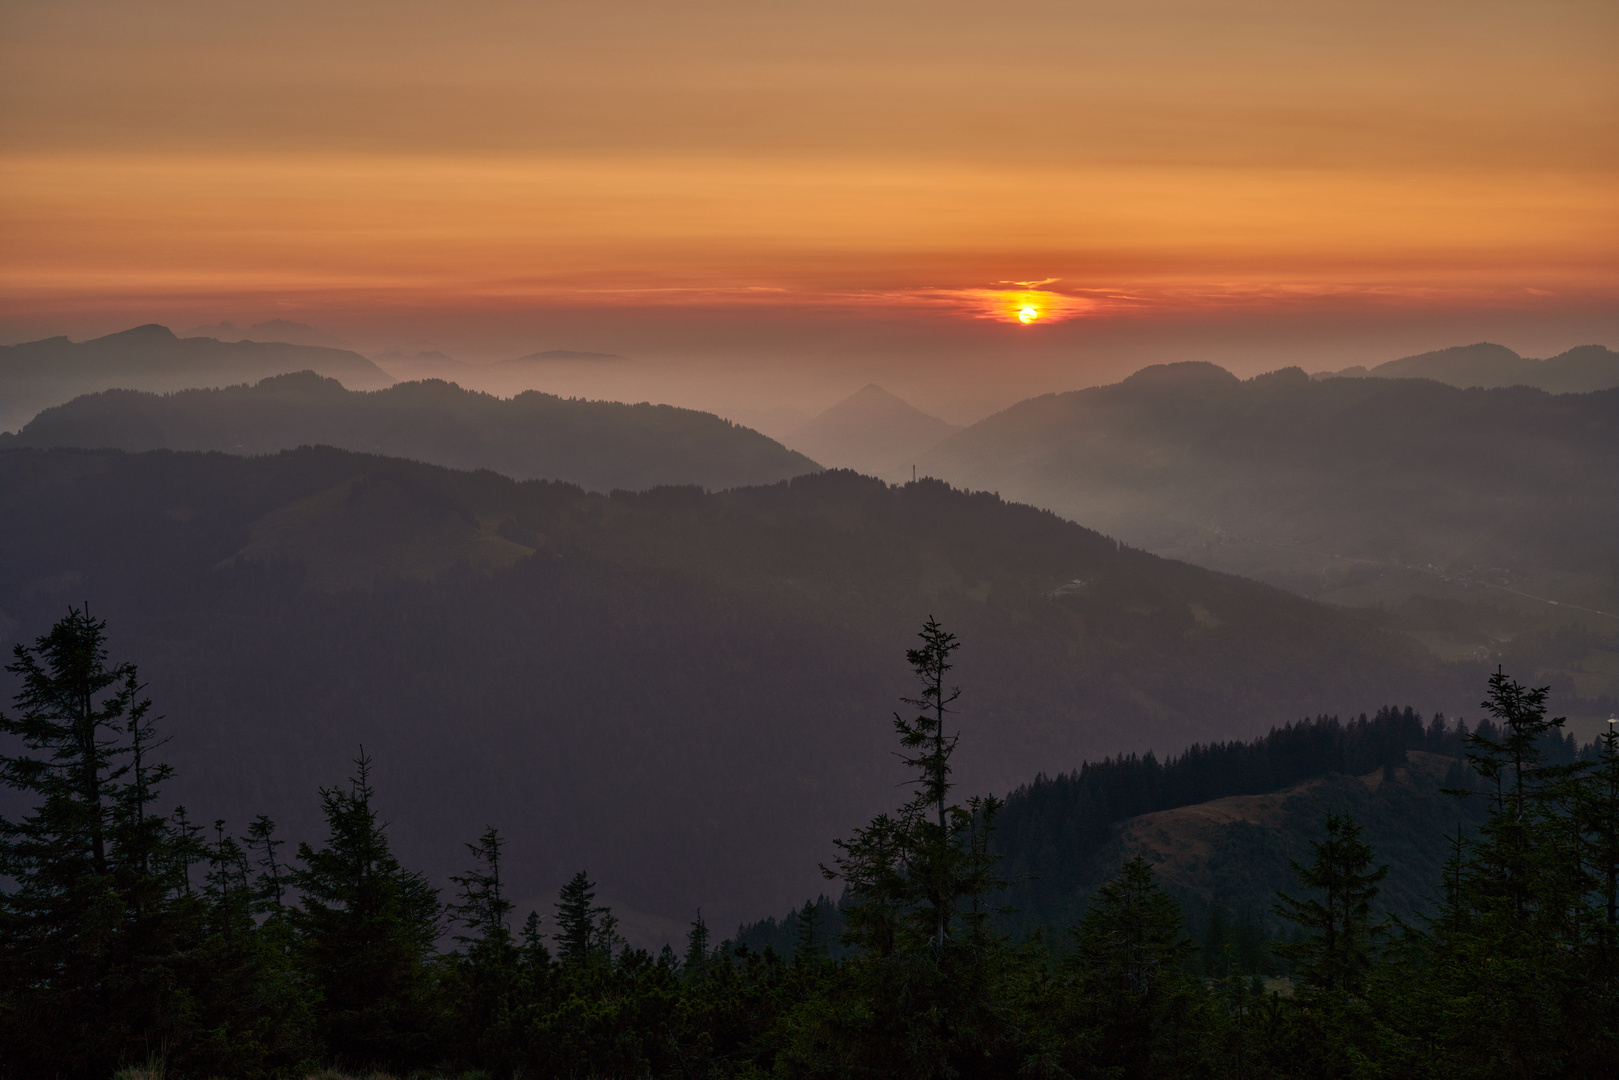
<point x="629" y="379"/>
<point x="766" y="205"/>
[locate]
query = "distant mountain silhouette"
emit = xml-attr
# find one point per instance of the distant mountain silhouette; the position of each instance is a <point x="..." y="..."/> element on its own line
<point x="1579" y="370"/>
<point x="600" y="445"/>
<point x="420" y="364"/>
<point x="288" y="333"/>
<point x="1321" y="486"/>
<point x="871" y="431"/>
<point x="688" y="694"/>
<point x="40" y="374"/>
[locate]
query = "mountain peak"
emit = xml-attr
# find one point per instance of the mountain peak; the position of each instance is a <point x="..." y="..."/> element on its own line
<point x="872" y="430"/>
<point x="147" y="334"/>
<point x="1186" y="373"/>
<point x="1585" y="352"/>
<point x="1482" y="350"/>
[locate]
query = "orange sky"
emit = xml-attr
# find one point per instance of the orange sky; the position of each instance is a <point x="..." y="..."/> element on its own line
<point x="515" y="164"/>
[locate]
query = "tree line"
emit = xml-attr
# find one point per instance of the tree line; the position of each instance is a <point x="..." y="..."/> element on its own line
<point x="134" y="938"/>
<point x="1054" y="829"/>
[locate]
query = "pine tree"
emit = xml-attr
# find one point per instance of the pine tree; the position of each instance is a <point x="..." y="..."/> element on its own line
<point x="909" y="874"/>
<point x="916" y="906"/>
<point x="534" y="953"/>
<point x="1504" y="982"/>
<point x="1129" y="965"/>
<point x="186" y="850"/>
<point x="1518" y="857"/>
<point x="87" y="907"/>
<point x="607" y="945"/>
<point x="490" y="972"/>
<point x="227" y="893"/>
<point x="366" y="928"/>
<point x="576" y="919"/>
<point x="482" y="905"/>
<point x="925" y="736"/>
<point x="1594" y="799"/>
<point x="141" y="834"/>
<point x="1338" y="948"/>
<point x="270" y="888"/>
<point x="808" y="949"/>
<point x="533" y="962"/>
<point x="696" y="964"/>
<point x="251" y="1010"/>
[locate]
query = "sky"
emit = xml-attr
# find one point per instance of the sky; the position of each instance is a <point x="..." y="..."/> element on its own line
<point x="768" y="205"/>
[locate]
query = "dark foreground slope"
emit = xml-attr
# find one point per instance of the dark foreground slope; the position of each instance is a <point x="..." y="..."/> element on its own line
<point x="39" y="374"/>
<point x="687" y="694"/>
<point x="599" y="445"/>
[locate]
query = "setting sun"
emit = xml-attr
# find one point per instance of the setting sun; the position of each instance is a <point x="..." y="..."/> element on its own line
<point x="1028" y="315"/>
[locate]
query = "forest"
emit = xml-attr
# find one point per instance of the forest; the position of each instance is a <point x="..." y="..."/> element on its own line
<point x="142" y="940"/>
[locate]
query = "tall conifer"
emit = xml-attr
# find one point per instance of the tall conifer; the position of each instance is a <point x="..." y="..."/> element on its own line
<point x="367" y="927"/>
<point x="85" y="914"/>
<point x="1339" y="943"/>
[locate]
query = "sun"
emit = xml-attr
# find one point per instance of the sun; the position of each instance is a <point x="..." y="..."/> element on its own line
<point x="1023" y="307"/>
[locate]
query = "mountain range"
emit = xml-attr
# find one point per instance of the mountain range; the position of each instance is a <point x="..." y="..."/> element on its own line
<point x="599" y="445"/>
<point x="686" y="694"/>
<point x="39" y="374"/>
<point x="1578" y="370"/>
<point x="1325" y="487"/>
<point x="1478" y="521"/>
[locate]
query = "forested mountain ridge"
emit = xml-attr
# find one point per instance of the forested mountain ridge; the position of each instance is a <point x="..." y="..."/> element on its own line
<point x="569" y="664"/>
<point x="1219" y="822"/>
<point x="599" y="445"/>
<point x="39" y="374"/>
<point x="1476" y="520"/>
<point x="1223" y="860"/>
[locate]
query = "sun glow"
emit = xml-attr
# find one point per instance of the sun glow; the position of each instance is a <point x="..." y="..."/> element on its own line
<point x="1026" y="306"/>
